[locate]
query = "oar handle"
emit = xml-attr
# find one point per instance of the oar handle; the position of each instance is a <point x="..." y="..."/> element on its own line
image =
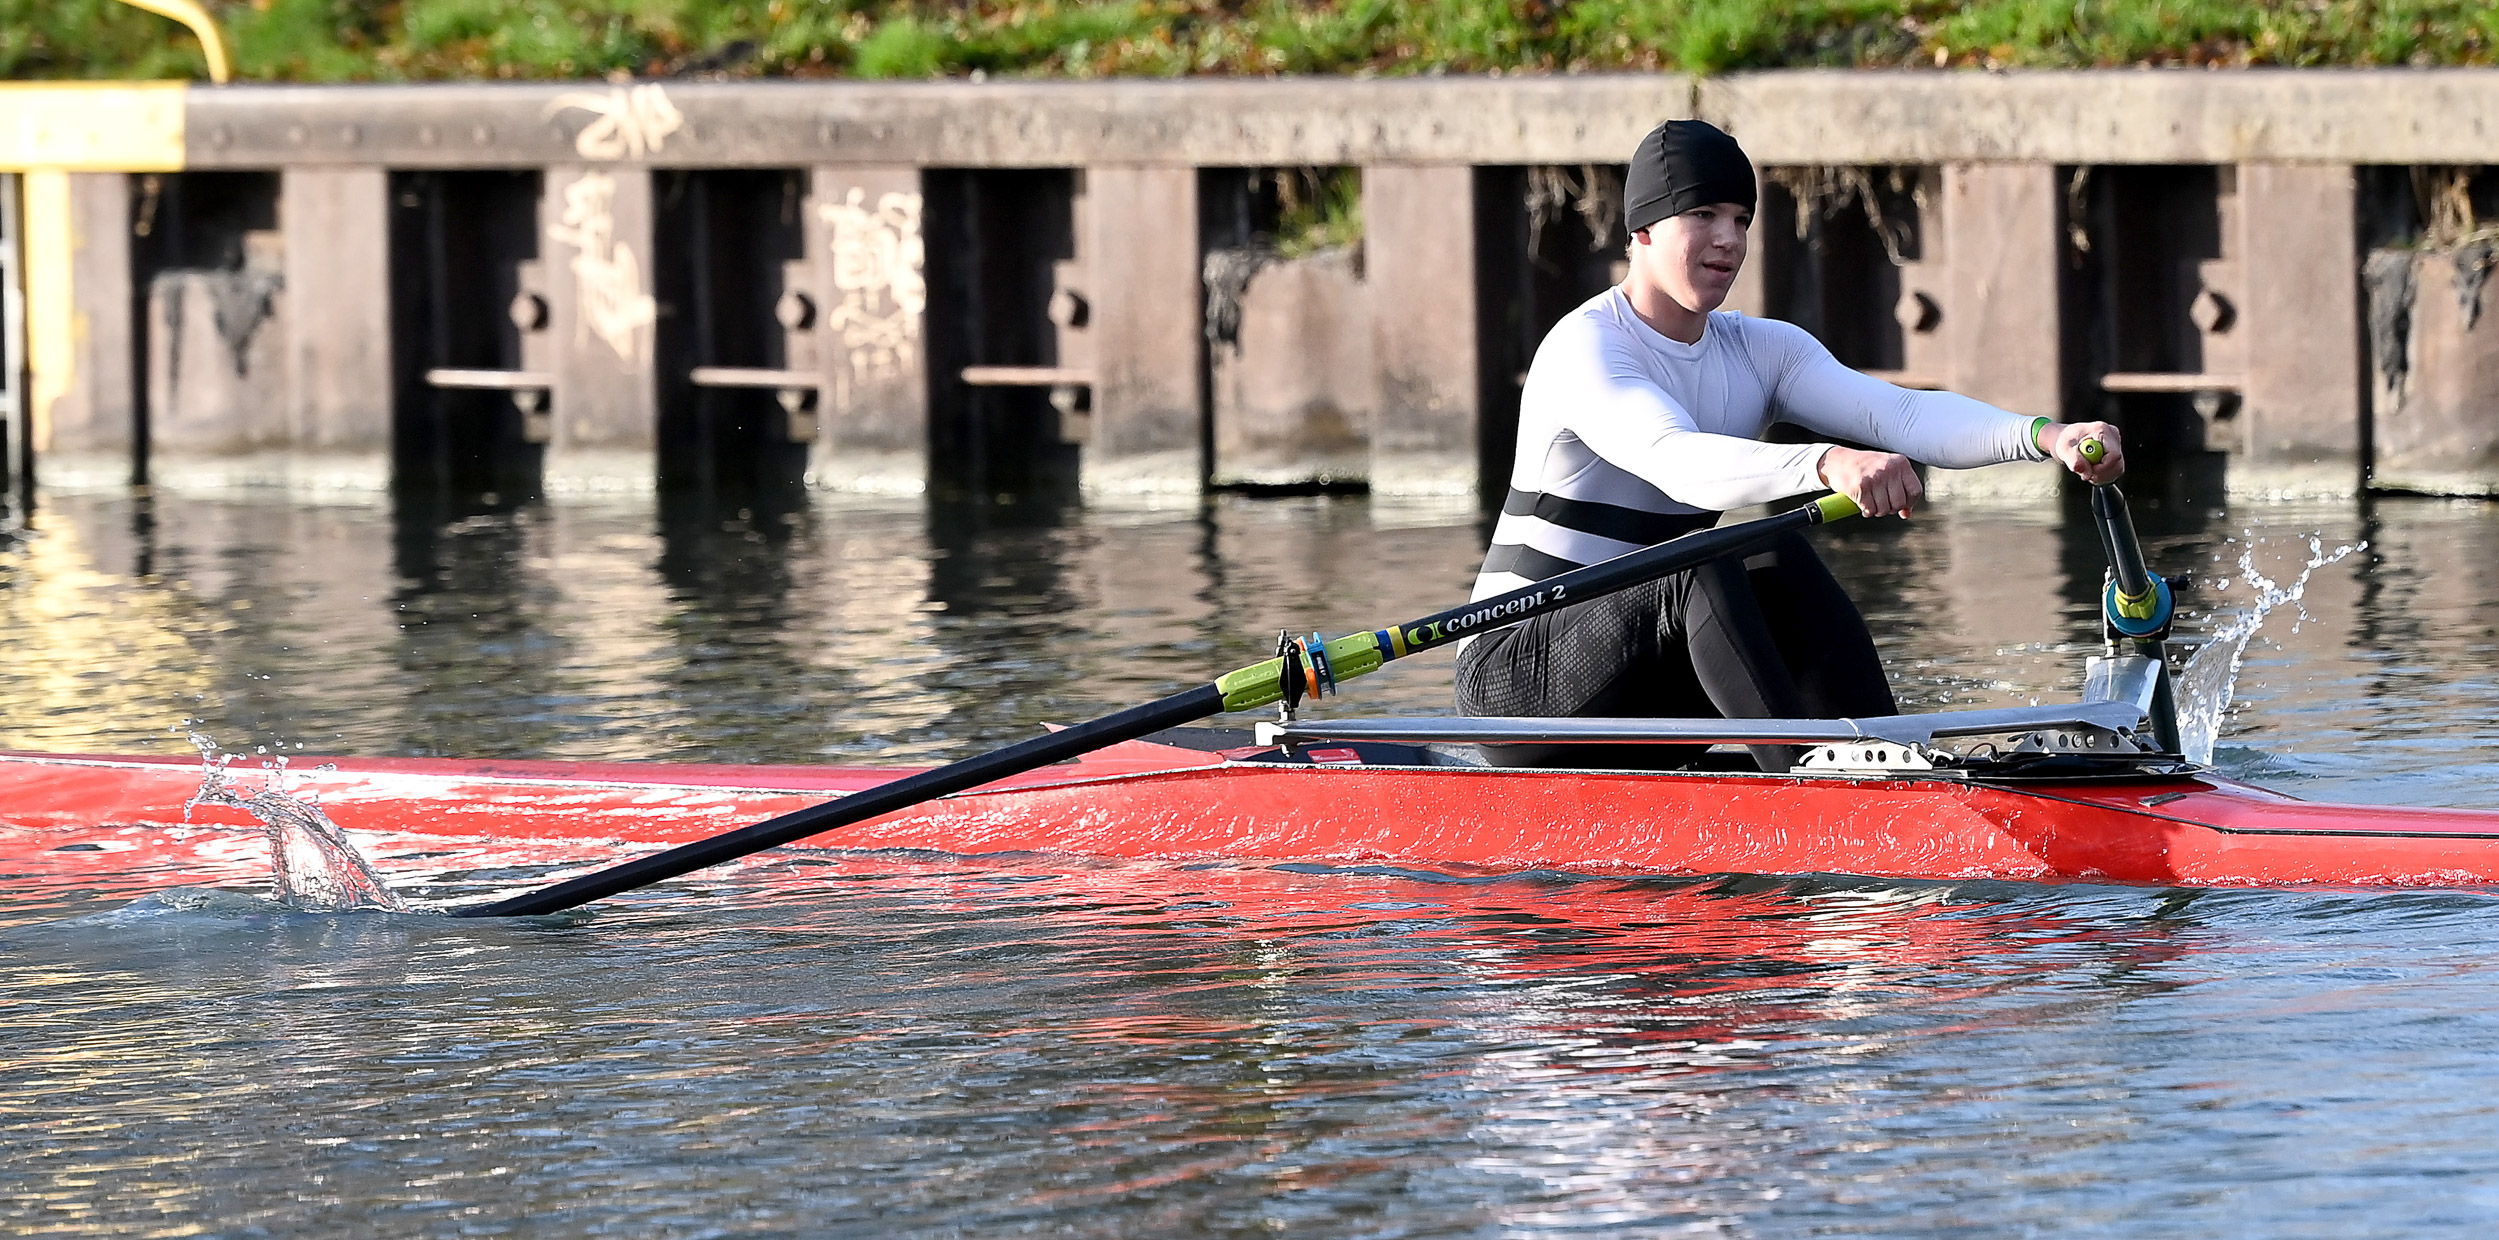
<point x="2117" y="531"/>
<point x="2138" y="603"/>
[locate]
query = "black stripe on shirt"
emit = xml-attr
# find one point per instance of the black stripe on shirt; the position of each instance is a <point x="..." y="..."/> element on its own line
<point x="1526" y="561"/>
<point x="1587" y="516"/>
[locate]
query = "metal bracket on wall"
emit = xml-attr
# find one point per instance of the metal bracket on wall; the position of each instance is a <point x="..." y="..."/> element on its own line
<point x="797" y="391"/>
<point x="528" y="388"/>
<point x="1071" y="392"/>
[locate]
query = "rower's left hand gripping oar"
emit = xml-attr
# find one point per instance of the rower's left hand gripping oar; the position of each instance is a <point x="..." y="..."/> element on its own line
<point x="1257" y="685"/>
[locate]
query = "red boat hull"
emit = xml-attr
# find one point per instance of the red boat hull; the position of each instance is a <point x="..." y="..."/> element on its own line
<point x="1157" y="802"/>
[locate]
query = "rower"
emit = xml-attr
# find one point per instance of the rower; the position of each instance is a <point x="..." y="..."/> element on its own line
<point x="1642" y="419"/>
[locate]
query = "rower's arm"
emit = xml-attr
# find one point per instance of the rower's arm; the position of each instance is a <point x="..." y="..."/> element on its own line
<point x="1594" y="386"/>
<point x="1815" y="391"/>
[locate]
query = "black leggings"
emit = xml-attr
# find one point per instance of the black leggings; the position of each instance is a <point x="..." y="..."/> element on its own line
<point x="1772" y="637"/>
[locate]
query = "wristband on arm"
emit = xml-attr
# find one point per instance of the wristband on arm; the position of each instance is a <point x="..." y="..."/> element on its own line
<point x="2037" y="425"/>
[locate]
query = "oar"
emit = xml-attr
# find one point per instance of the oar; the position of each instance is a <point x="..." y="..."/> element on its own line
<point x="1256" y="685"/>
<point x="2136" y="604"/>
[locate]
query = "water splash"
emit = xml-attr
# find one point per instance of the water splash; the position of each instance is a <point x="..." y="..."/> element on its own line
<point x="315" y="865"/>
<point x="2205" y="686"/>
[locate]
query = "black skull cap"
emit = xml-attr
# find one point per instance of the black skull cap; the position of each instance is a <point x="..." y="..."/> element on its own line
<point x="1682" y="165"/>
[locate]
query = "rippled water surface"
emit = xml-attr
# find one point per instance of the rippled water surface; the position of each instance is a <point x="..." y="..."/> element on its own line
<point x="827" y="1043"/>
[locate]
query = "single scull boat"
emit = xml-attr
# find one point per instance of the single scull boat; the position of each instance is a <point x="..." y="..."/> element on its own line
<point x="2093" y="791"/>
<point x="1211" y="794"/>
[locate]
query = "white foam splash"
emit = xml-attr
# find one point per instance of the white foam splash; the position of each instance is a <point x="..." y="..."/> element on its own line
<point x="317" y="868"/>
<point x="2205" y="686"/>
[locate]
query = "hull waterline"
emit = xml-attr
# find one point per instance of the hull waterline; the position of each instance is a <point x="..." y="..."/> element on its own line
<point x="1150" y="801"/>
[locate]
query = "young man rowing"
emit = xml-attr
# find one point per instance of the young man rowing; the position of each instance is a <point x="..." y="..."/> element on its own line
<point x="1642" y="420"/>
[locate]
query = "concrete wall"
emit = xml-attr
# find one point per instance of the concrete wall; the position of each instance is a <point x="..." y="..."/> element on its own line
<point x="1138" y="244"/>
<point x="2003" y="250"/>
<point x="1296" y="394"/>
<point x="597" y="254"/>
<point x="2301" y="346"/>
<point x="1989" y="303"/>
<point x="2186" y="116"/>
<point x="2434" y="407"/>
<point x="337" y="334"/>
<point x="866" y="275"/>
<point x="215" y="344"/>
<point x="1419" y="248"/>
<point x="88" y="430"/>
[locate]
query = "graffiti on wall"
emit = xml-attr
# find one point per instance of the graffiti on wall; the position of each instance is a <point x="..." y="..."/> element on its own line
<point x="607" y="277"/>
<point x="878" y="287"/>
<point x="627" y="122"/>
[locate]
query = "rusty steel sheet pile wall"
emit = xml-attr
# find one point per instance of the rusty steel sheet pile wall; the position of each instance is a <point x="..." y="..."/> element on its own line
<point x="1011" y="285"/>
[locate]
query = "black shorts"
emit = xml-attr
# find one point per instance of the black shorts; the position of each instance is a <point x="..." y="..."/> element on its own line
<point x="1769" y="637"/>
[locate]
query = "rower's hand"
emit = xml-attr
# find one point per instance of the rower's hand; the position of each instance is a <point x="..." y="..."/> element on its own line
<point x="2064" y="441"/>
<point x="1881" y="484"/>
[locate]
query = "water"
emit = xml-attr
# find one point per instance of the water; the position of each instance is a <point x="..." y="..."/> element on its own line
<point x="823" y="1043"/>
<point x="314" y="865"/>
<point x="2208" y="680"/>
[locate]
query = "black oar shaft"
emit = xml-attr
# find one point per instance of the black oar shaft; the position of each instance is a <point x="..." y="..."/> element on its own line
<point x="1598" y="580"/>
<point x="859" y="807"/>
<point x="1252" y="686"/>
<point x="2117" y="538"/>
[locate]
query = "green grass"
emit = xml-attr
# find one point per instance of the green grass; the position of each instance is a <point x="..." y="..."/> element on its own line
<point x="1316" y="209"/>
<point x="355" y="40"/>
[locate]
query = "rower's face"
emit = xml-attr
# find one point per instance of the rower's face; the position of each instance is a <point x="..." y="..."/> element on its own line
<point x="1694" y="256"/>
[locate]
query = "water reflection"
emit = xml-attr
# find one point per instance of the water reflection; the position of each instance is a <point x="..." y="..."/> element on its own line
<point x="788" y="627"/>
<point x="929" y="1048"/>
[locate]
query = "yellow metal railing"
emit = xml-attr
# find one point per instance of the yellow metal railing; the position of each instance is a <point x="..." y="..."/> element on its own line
<point x="49" y="130"/>
<point x="189" y="13"/>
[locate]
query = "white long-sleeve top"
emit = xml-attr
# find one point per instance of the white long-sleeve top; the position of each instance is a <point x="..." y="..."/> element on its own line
<point x="1627" y="437"/>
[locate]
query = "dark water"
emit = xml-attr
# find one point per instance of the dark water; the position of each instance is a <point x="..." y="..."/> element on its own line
<point x="824" y="1043"/>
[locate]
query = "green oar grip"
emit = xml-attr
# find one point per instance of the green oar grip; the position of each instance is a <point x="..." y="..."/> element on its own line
<point x="1835" y="507"/>
<point x="1261" y="683"/>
